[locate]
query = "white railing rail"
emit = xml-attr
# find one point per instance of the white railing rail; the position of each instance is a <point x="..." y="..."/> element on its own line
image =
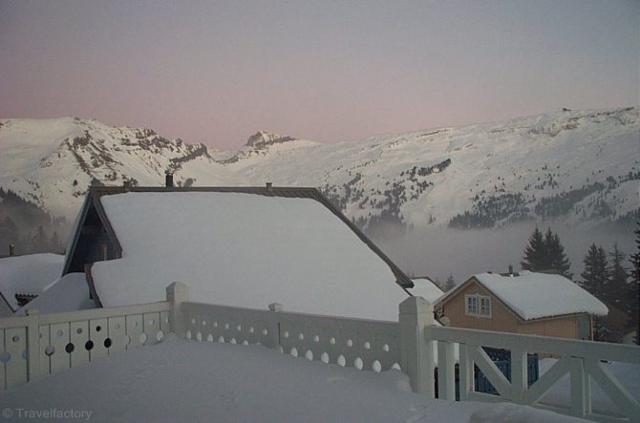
<point x="36" y="345"/>
<point x="363" y="344"/>
<point x="582" y="360"/>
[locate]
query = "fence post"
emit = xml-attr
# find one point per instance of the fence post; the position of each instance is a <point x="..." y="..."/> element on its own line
<point x="33" y="345"/>
<point x="580" y="388"/>
<point x="177" y="293"/>
<point x="275" y="308"/>
<point x="519" y="375"/>
<point x="416" y="316"/>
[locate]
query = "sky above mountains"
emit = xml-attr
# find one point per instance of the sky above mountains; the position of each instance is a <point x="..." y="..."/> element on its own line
<point x="215" y="72"/>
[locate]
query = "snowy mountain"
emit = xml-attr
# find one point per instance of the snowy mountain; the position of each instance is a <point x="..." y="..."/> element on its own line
<point x="577" y="166"/>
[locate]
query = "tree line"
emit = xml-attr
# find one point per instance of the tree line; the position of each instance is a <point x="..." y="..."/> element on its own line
<point x="608" y="276"/>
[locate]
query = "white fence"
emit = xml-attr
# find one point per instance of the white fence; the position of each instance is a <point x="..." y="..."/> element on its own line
<point x="38" y="345"/>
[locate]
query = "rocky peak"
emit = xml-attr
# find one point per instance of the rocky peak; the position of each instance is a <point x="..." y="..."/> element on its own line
<point x="263" y="139"/>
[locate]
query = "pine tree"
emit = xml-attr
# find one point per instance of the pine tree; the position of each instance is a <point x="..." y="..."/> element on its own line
<point x="595" y="281"/>
<point x="634" y="287"/>
<point x="534" y="255"/>
<point x="39" y="241"/>
<point x="449" y="284"/>
<point x="555" y="256"/>
<point x="617" y="280"/>
<point x="594" y="276"/>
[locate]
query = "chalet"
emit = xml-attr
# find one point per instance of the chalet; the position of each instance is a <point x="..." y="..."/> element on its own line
<point x="525" y="302"/>
<point x="241" y="246"/>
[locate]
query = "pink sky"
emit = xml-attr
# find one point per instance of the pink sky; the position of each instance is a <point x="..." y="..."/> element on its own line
<point x="215" y="72"/>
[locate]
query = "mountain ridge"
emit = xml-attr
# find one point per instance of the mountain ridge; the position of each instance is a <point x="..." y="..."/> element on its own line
<point x="579" y="166"/>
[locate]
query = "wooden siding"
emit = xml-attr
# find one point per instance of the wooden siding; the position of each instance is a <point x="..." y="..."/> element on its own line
<point x="505" y="320"/>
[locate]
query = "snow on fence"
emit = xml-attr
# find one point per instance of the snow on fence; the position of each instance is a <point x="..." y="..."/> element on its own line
<point x="38" y="345"/>
<point x="584" y="361"/>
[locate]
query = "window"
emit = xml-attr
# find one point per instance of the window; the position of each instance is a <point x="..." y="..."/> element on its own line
<point x="472" y="304"/>
<point x="485" y="306"/>
<point x="478" y="305"/>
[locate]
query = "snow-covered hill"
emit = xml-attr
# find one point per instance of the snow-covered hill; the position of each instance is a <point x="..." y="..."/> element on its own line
<point x="577" y="166"/>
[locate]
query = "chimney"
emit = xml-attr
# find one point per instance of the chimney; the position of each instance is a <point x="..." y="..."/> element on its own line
<point x="168" y="180"/>
<point x="12" y="250"/>
<point x="268" y="185"/>
<point x="125" y="185"/>
<point x="510" y="269"/>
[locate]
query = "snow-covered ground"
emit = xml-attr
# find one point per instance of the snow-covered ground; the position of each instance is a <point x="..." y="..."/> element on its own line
<point x="560" y="393"/>
<point x="185" y="381"/>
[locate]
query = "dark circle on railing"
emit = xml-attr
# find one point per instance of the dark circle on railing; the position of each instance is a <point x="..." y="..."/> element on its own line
<point x="69" y="348"/>
<point x="49" y="350"/>
<point x="98" y="328"/>
<point x="89" y="345"/>
<point x="107" y="343"/>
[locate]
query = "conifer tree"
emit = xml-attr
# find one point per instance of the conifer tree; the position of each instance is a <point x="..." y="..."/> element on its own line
<point x="594" y="276"/>
<point x="534" y="255"/>
<point x="618" y="288"/>
<point x="449" y="284"/>
<point x="634" y="287"/>
<point x="556" y="258"/>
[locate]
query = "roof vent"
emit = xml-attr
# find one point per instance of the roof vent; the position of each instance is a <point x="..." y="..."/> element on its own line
<point x="12" y="250"/>
<point x="168" y="180"/>
<point x="268" y="186"/>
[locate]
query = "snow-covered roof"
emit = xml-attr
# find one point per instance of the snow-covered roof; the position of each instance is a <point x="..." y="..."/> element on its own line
<point x="536" y="295"/>
<point x="243" y="250"/>
<point x="28" y="274"/>
<point x="426" y="288"/>
<point x="67" y="293"/>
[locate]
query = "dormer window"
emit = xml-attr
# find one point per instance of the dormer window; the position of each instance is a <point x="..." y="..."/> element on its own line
<point x="478" y="305"/>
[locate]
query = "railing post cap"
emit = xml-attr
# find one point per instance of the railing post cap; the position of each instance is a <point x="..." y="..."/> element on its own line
<point x="275" y="307"/>
<point x="415" y="305"/>
<point x="177" y="292"/>
<point x="177" y="285"/>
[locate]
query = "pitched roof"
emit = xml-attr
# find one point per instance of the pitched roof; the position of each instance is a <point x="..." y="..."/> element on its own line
<point x="533" y="295"/>
<point x="424" y="287"/>
<point x="242" y="246"/>
<point x="28" y="273"/>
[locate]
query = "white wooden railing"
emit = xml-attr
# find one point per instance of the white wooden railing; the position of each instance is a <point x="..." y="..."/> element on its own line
<point x="582" y="360"/>
<point x="38" y="345"/>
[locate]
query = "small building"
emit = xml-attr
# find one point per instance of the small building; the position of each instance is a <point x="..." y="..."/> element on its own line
<point x="23" y="278"/>
<point x="525" y="302"/>
<point x="237" y="246"/>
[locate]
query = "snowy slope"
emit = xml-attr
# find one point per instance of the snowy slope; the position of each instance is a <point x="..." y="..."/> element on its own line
<point x="578" y="166"/>
<point x="52" y="161"/>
